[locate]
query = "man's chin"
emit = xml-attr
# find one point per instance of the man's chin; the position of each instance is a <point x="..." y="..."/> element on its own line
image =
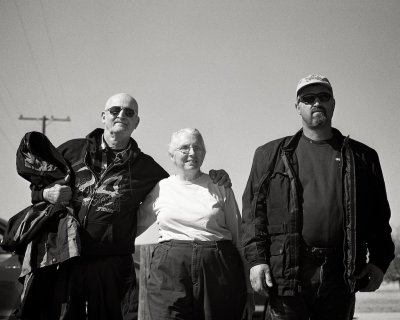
<point x="319" y="121"/>
<point x="121" y="131"/>
<point x="120" y="127"/>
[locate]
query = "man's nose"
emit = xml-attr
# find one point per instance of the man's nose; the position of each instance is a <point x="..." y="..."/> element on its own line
<point x="122" y="113"/>
<point x="317" y="101"/>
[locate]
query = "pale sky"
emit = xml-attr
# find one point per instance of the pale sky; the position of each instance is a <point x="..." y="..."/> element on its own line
<point x="228" y="68"/>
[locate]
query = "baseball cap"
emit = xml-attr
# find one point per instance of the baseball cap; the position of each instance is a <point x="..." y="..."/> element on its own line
<point x="313" y="79"/>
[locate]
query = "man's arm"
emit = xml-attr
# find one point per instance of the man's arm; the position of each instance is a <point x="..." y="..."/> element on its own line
<point x="254" y="225"/>
<point x="57" y="192"/>
<point x="233" y="222"/>
<point x="146" y="214"/>
<point x="380" y="243"/>
<point x="374" y="276"/>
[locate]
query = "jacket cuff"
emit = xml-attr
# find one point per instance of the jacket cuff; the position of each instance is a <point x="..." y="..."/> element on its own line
<point x="37" y="196"/>
<point x="380" y="265"/>
<point x="255" y="263"/>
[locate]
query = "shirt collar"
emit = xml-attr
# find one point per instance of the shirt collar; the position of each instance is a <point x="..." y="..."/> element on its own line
<point x="104" y="146"/>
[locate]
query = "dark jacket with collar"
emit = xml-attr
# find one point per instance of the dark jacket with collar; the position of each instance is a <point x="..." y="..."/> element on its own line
<point x="106" y="205"/>
<point x="272" y="212"/>
<point x="46" y="233"/>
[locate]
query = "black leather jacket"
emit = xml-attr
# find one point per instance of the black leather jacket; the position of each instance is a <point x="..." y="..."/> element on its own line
<point x="272" y="212"/>
<point x="106" y="206"/>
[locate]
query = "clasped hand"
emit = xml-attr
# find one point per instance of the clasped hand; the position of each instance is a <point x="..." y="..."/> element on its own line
<point x="260" y="278"/>
<point x="58" y="192"/>
<point x="375" y="277"/>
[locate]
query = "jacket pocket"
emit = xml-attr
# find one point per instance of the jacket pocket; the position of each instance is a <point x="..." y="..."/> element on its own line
<point x="277" y="259"/>
<point x="100" y="231"/>
<point x="279" y="191"/>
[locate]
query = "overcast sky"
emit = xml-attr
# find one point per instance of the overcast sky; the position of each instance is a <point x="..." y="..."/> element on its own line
<point x="228" y="68"/>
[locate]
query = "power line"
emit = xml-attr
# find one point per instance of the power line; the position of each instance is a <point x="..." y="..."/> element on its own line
<point x="6" y="138"/>
<point x="31" y="52"/>
<point x="44" y="119"/>
<point x="52" y="52"/>
<point x="10" y="96"/>
<point x="5" y="108"/>
<point x="2" y="103"/>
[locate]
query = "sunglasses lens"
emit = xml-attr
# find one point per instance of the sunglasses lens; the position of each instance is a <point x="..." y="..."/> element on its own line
<point x="115" y="110"/>
<point x="127" y="111"/>
<point x="309" y="98"/>
<point x="324" y="97"/>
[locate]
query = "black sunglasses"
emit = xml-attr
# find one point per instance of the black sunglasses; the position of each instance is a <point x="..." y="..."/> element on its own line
<point x="116" y="111"/>
<point x="310" y="98"/>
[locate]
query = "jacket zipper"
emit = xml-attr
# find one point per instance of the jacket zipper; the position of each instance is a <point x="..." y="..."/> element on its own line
<point x="97" y="185"/>
<point x="294" y="206"/>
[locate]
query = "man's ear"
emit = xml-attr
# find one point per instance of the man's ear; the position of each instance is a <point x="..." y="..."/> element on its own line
<point x="103" y="117"/>
<point x="296" y="106"/>
<point x="137" y="122"/>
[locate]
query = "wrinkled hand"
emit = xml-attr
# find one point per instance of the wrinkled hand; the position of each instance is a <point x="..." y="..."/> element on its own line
<point x="58" y="192"/>
<point x="220" y="177"/>
<point x="375" y="276"/>
<point x="260" y="278"/>
<point x="249" y="308"/>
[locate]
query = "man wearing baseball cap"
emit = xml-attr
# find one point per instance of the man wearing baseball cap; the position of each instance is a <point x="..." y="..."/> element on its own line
<point x="315" y="215"/>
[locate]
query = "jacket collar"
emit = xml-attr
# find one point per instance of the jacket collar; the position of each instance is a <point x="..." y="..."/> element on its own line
<point x="95" y="144"/>
<point x="293" y="141"/>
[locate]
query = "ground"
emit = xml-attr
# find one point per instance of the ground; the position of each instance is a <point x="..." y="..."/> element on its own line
<point x="386" y="299"/>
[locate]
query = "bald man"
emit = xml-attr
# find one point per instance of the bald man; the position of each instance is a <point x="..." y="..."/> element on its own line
<point x="111" y="178"/>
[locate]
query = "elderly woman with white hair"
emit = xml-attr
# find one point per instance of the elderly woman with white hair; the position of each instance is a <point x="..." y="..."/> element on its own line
<point x="196" y="271"/>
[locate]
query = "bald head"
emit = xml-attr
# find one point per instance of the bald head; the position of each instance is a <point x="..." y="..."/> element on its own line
<point x="122" y="100"/>
<point x="120" y="118"/>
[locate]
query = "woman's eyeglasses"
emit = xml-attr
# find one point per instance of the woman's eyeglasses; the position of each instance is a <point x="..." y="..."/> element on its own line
<point x="186" y="149"/>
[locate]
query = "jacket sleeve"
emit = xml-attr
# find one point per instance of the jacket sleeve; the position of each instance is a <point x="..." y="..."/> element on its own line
<point x="380" y="243"/>
<point x="255" y="237"/>
<point x="146" y="214"/>
<point x="233" y="223"/>
<point x="36" y="194"/>
<point x="37" y="189"/>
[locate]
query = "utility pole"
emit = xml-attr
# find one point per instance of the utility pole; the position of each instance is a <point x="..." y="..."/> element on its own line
<point x="44" y="119"/>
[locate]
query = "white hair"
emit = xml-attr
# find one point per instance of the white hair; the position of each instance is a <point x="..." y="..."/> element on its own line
<point x="174" y="138"/>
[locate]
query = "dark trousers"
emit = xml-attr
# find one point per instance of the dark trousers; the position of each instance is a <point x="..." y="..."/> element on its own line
<point x="93" y="288"/>
<point x="45" y="295"/>
<point x="324" y="293"/>
<point x="102" y="288"/>
<point x="196" y="281"/>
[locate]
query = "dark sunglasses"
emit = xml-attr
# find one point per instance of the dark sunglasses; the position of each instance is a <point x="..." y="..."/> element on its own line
<point x="310" y="98"/>
<point x="116" y="111"/>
